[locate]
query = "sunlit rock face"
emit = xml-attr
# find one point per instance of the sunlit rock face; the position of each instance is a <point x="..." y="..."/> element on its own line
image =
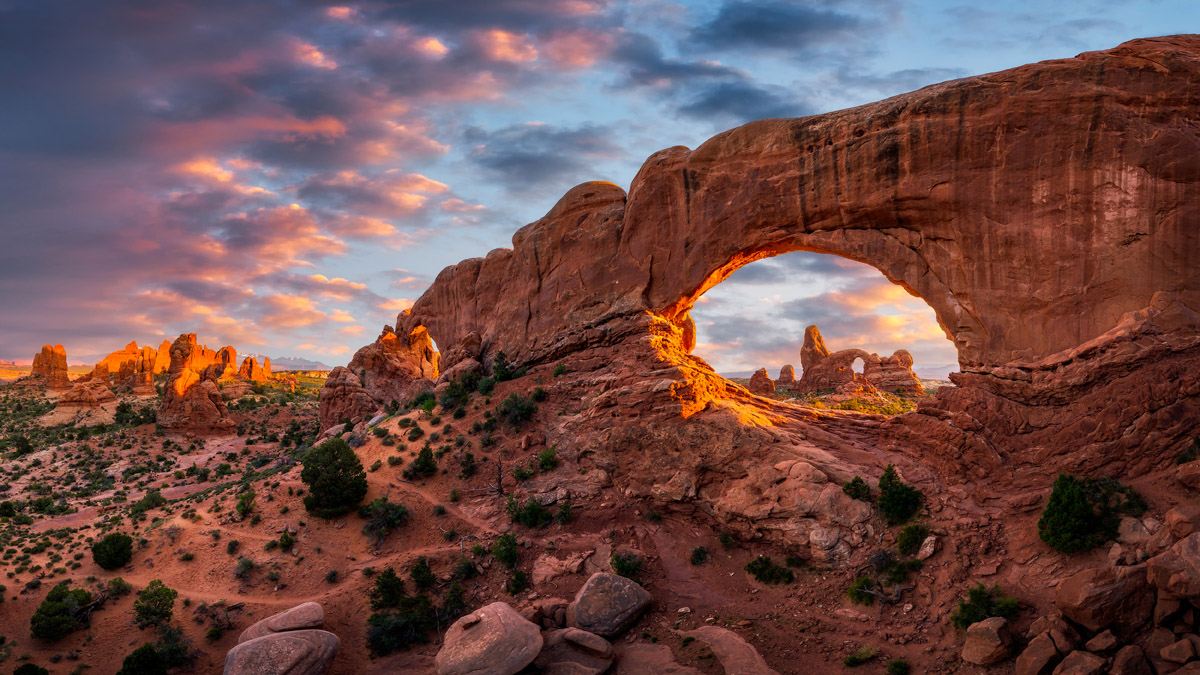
<point x="825" y="370"/>
<point x="1046" y="213"/>
<point x="50" y="367"/>
<point x="396" y="367"/>
<point x="191" y="398"/>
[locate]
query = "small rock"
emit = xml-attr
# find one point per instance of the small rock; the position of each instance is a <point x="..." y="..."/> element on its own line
<point x="928" y="547"/>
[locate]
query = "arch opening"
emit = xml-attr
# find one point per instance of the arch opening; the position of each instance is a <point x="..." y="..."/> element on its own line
<point x="873" y="335"/>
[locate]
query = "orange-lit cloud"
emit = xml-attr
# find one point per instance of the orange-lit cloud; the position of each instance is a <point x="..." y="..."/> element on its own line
<point x="341" y="13"/>
<point x="309" y="54"/>
<point x="431" y="47"/>
<point x="577" y="48"/>
<point x="501" y="45"/>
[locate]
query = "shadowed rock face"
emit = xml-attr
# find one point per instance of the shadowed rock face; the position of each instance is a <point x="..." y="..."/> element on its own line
<point x="1046" y="213"/>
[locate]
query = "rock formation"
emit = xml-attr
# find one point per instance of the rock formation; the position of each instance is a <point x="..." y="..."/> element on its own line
<point x="250" y="370"/>
<point x="787" y="377"/>
<point x="50" y="367"/>
<point x="133" y="367"/>
<point x="300" y="617"/>
<point x="393" y="368"/>
<point x="227" y="359"/>
<point x="761" y="383"/>
<point x="826" y="371"/>
<point x="192" y="399"/>
<point x="1006" y="201"/>
<point x="297" y="652"/>
<point x="607" y="604"/>
<point x="86" y="402"/>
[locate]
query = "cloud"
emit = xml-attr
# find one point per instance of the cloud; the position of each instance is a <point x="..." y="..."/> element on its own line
<point x="535" y="155"/>
<point x="790" y="26"/>
<point x="739" y="101"/>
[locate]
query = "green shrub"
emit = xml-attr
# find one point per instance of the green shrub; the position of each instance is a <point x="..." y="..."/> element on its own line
<point x="563" y="516"/>
<point x="1191" y="453"/>
<point x="767" y="572"/>
<point x="113" y="551"/>
<point x="725" y="537"/>
<point x="30" y="669"/>
<point x="155" y="606"/>
<point x="61" y="613"/>
<point x="466" y="465"/>
<point x="548" y="459"/>
<point x="699" y="556"/>
<point x="232" y="546"/>
<point x="144" y="660"/>
<point x="406" y="624"/>
<point x="118" y="587"/>
<point x="860" y="656"/>
<point x="501" y="369"/>
<point x="331" y="576"/>
<point x="506" y="551"/>
<point x="898" y="667"/>
<point x="516" y="410"/>
<point x="1083" y="513"/>
<point x="858" y="591"/>
<point x="382" y="517"/>
<point x="519" y="581"/>
<point x="983" y="603"/>
<point x="286" y="540"/>
<point x="388" y="590"/>
<point x="335" y="479"/>
<point x="898" y="501"/>
<point x="152" y="500"/>
<point x="245" y="503"/>
<point x="628" y="565"/>
<point x="531" y="514"/>
<point x="857" y="489"/>
<point x="421" y="574"/>
<point x="425" y="465"/>
<point x="908" y="542"/>
<point x="560" y="370"/>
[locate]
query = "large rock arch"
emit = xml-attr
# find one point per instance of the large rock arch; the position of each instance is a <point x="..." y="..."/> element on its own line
<point x="1050" y="215"/>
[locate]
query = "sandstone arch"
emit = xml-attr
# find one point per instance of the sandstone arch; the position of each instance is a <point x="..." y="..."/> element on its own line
<point x="1048" y="214"/>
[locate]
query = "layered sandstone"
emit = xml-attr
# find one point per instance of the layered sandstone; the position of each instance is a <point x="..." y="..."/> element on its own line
<point x="86" y="403"/>
<point x="250" y="370"/>
<point x="50" y="367"/>
<point x="192" y="399"/>
<point x="395" y="367"/>
<point x="1043" y="213"/>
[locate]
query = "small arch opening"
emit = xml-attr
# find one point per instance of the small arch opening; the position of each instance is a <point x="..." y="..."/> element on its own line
<point x="868" y="330"/>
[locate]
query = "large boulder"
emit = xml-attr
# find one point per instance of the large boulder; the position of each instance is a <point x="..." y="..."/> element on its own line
<point x="1177" y="570"/>
<point x="607" y="604"/>
<point x="300" y="617"/>
<point x="297" y="652"/>
<point x="1130" y="660"/>
<point x="1080" y="662"/>
<point x="492" y="640"/>
<point x="987" y="642"/>
<point x="1038" y="658"/>
<point x="1103" y="597"/>
<point x="571" y="651"/>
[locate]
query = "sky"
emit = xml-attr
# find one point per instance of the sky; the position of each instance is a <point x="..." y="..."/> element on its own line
<point x="286" y="175"/>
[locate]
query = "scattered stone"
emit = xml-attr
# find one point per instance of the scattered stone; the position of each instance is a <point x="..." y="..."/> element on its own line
<point x="1177" y="570"/>
<point x="492" y="640"/>
<point x="928" y="547"/>
<point x="607" y="604"/>
<point x="1103" y="642"/>
<point x="297" y="652"/>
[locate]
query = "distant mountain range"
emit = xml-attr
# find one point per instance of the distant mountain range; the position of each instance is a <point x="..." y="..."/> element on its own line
<point x="290" y="363"/>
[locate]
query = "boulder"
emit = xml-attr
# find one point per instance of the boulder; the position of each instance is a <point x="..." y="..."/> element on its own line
<point x="1038" y="658"/>
<point x="571" y="651"/>
<point x="300" y="617"/>
<point x="1183" y="520"/>
<point x="607" y="604"/>
<point x="492" y="640"/>
<point x="1180" y="651"/>
<point x="641" y="658"/>
<point x="1100" y="597"/>
<point x="1130" y="660"/>
<point x="1188" y="474"/>
<point x="1177" y="570"/>
<point x="987" y="642"/>
<point x="735" y="654"/>
<point x="1103" y="642"/>
<point x="297" y="652"/>
<point x="928" y="547"/>
<point x="1081" y="663"/>
<point x="787" y="377"/>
